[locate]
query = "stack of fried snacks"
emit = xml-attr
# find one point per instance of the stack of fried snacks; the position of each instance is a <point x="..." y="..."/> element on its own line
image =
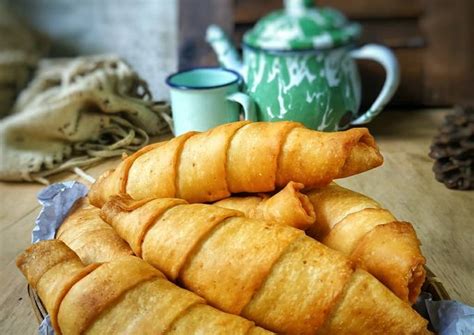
<point x="247" y="255"/>
<point x="124" y="296"/>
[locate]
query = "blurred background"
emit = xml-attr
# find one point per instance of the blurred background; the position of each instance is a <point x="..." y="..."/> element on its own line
<point x="144" y="32"/>
<point x="433" y="39"/>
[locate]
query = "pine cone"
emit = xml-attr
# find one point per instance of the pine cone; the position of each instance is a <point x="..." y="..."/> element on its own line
<point x="453" y="150"/>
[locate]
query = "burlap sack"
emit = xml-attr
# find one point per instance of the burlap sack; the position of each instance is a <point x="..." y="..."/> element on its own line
<point x="74" y="113"/>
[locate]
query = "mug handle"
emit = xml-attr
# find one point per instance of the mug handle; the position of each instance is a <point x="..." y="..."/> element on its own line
<point x="247" y="104"/>
<point x="387" y="59"/>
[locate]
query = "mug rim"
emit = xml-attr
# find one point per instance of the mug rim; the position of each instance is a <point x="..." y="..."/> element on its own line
<point x="192" y="87"/>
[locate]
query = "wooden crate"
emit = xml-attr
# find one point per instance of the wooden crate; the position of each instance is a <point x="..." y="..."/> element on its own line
<point x="433" y="41"/>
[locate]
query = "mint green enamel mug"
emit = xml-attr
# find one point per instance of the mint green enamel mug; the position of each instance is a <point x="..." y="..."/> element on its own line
<point x="203" y="98"/>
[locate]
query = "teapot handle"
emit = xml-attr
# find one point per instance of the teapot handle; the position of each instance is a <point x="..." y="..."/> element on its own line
<point x="387" y="59"/>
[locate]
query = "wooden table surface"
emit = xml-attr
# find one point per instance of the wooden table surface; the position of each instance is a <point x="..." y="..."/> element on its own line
<point x="443" y="218"/>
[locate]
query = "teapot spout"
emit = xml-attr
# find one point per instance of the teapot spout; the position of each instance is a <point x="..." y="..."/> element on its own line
<point x="226" y="53"/>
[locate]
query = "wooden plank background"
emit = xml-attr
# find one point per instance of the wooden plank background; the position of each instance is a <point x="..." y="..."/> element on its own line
<point x="449" y="57"/>
<point x="433" y="41"/>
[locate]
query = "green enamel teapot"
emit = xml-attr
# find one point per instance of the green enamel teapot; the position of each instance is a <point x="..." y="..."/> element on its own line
<point x="298" y="65"/>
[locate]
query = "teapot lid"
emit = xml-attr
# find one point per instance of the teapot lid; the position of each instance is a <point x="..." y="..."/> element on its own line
<point x="302" y="26"/>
